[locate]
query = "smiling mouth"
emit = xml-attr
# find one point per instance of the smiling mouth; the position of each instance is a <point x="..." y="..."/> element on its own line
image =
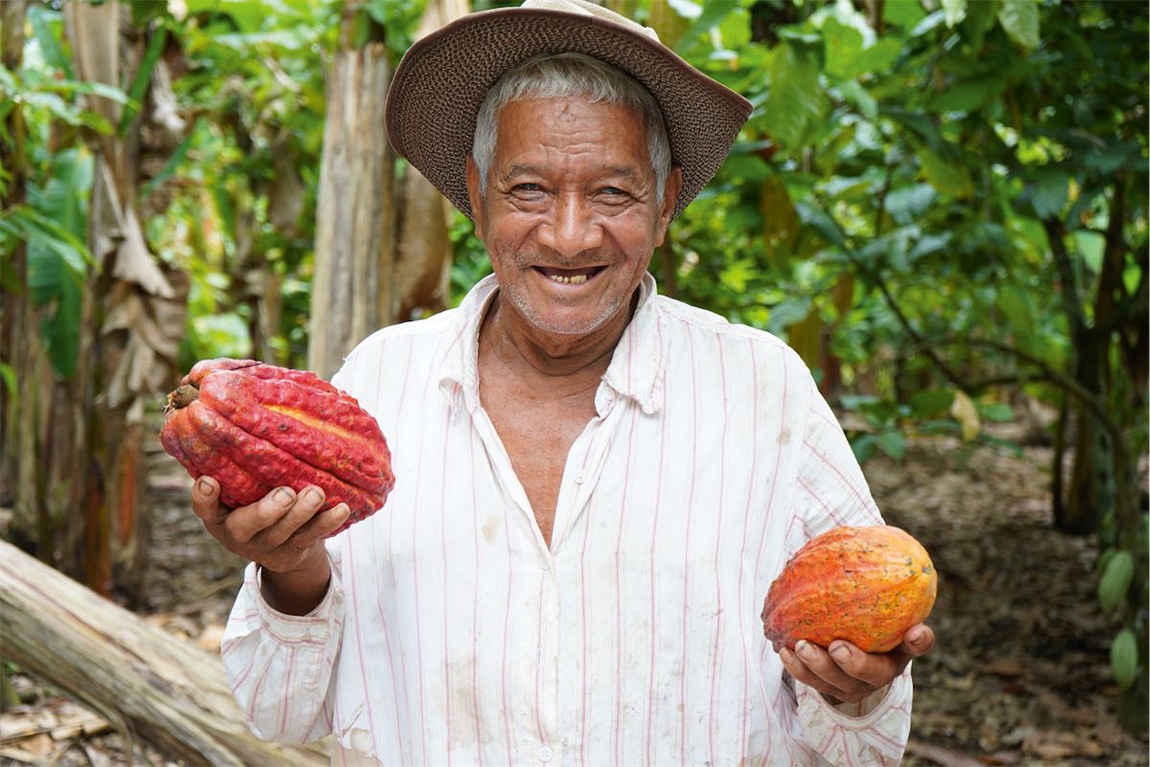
<point x="569" y="276"/>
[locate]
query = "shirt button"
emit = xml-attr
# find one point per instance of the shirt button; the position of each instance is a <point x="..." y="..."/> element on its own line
<point x="545" y="754"/>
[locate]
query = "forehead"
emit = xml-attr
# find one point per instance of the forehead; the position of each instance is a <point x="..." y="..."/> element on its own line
<point x="611" y="132"/>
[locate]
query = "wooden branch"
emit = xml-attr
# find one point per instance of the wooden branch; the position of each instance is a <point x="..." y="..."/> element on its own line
<point x="146" y="682"/>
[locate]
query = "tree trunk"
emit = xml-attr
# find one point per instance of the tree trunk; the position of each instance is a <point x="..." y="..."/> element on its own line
<point x="133" y="320"/>
<point x="423" y="266"/>
<point x="352" y="291"/>
<point x="147" y="683"/>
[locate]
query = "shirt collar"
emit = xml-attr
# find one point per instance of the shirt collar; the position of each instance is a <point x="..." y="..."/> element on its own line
<point x="637" y="364"/>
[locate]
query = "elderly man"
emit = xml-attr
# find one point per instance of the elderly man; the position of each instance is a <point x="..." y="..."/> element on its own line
<point x="595" y="484"/>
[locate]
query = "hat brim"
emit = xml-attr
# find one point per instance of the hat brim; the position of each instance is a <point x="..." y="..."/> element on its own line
<point x="443" y="78"/>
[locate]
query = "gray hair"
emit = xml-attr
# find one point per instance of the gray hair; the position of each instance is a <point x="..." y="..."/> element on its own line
<point x="562" y="75"/>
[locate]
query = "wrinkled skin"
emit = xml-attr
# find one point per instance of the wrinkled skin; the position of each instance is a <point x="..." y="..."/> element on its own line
<point x="844" y="673"/>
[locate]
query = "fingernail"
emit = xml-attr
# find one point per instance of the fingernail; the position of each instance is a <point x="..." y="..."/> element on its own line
<point x="283" y="496"/>
<point x="204" y="486"/>
<point x="313" y="495"/>
<point x="841" y="653"/>
<point x="342" y="511"/>
<point x="804" y="648"/>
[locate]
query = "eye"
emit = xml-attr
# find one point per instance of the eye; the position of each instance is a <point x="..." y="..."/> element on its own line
<point x="614" y="191"/>
<point x="527" y="187"/>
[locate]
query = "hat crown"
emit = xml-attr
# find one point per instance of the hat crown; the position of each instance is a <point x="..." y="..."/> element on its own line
<point x="586" y="8"/>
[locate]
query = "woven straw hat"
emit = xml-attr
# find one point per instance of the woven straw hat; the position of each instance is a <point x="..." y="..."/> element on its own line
<point x="443" y="78"/>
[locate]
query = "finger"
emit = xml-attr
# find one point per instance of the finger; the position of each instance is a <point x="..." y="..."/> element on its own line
<point x="245" y="522"/>
<point x="321" y="526"/>
<point x="917" y="641"/>
<point x="873" y="669"/>
<point x="206" y="501"/>
<point x="307" y="503"/>
<point x="827" y="668"/>
<point x="802" y="672"/>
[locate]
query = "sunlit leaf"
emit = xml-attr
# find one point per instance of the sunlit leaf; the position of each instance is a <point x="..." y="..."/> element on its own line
<point x="948" y="177"/>
<point x="955" y="11"/>
<point x="1020" y="20"/>
<point x="964" y="411"/>
<point x="796" y="97"/>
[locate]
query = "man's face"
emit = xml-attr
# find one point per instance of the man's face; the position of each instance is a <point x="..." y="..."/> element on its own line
<point x="570" y="217"/>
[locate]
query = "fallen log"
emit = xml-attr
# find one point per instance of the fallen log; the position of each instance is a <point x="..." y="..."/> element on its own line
<point x="149" y="684"/>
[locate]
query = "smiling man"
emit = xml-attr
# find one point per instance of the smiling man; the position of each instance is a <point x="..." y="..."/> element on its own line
<point x="596" y="484"/>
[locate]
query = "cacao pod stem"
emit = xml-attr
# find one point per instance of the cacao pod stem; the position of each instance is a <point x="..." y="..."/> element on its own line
<point x="183" y="396"/>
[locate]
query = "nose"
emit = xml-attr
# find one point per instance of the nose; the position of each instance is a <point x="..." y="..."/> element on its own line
<point x="571" y="227"/>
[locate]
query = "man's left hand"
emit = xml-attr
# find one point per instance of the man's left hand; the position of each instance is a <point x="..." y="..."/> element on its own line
<point x="844" y="673"/>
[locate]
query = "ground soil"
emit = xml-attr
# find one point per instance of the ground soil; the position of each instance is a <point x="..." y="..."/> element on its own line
<point x="1019" y="675"/>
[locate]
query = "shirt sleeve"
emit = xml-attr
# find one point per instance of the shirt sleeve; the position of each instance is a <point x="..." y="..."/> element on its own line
<point x="831" y="491"/>
<point x="280" y="667"/>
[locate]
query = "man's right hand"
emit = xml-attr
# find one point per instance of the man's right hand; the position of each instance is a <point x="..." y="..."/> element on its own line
<point x="283" y="533"/>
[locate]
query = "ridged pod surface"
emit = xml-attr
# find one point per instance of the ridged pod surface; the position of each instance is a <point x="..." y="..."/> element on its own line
<point x="255" y="427"/>
<point x="866" y="585"/>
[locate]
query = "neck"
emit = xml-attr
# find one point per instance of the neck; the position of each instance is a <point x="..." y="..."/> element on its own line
<point x="567" y="364"/>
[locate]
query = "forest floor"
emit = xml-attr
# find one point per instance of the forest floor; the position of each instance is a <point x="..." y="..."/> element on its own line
<point x="1019" y="675"/>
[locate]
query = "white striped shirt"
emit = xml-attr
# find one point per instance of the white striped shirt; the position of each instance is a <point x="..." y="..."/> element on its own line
<point x="452" y="635"/>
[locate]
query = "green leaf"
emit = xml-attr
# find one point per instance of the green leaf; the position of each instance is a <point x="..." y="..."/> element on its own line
<point x="714" y="12"/>
<point x="1020" y="20"/>
<point x="735" y="276"/>
<point x="932" y="21"/>
<point x="996" y="412"/>
<point x="796" y="97"/>
<point x="864" y="447"/>
<point x="980" y="19"/>
<point x="931" y="402"/>
<point x="904" y="15"/>
<point x="893" y="443"/>
<point x="917" y="122"/>
<point x="143" y="76"/>
<point x="1013" y="302"/>
<point x="1048" y="191"/>
<point x="909" y="202"/>
<point x="1124" y="658"/>
<point x="955" y="11"/>
<point x="1091" y="246"/>
<point x="879" y="57"/>
<point x="44" y="25"/>
<point x="968" y="95"/>
<point x="821" y="222"/>
<point x="948" y="177"/>
<point x="843" y="45"/>
<point x="8" y="375"/>
<point x="1115" y="580"/>
<point x="748" y="167"/>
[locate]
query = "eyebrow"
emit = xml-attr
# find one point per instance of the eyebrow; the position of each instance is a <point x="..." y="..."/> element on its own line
<point x="519" y="169"/>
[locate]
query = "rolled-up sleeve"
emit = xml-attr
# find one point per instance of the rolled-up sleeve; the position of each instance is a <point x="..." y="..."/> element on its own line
<point x="872" y="732"/>
<point x="280" y="667"/>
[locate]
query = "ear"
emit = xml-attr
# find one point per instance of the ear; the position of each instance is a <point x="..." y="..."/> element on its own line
<point x="670" y="197"/>
<point x="474" y="196"/>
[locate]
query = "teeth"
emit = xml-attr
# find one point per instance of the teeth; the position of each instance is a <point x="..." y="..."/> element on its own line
<point x="577" y="279"/>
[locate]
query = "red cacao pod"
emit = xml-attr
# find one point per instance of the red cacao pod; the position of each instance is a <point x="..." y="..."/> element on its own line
<point x="255" y="427"/>
<point x="866" y="585"/>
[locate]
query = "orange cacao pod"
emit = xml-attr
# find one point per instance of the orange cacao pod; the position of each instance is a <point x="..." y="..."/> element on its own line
<point x="255" y="427"/>
<point x="866" y="585"/>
